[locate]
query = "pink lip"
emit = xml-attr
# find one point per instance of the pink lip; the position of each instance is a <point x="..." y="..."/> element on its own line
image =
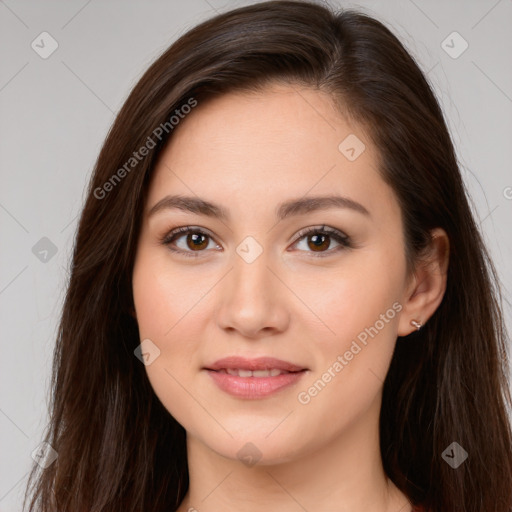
<point x="253" y="387"/>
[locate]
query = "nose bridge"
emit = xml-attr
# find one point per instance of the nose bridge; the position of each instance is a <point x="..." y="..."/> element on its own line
<point x="251" y="301"/>
<point x="251" y="276"/>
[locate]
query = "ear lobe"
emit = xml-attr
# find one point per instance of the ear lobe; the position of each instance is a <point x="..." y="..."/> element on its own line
<point x="428" y="286"/>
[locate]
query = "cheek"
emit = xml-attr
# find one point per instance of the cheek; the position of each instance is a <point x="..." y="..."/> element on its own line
<point x="353" y="362"/>
<point x="162" y="296"/>
<point x="170" y="307"/>
<point x="161" y="309"/>
<point x="360" y="309"/>
<point x="353" y="298"/>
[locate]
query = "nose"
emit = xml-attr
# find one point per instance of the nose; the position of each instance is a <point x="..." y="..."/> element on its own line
<point x="253" y="300"/>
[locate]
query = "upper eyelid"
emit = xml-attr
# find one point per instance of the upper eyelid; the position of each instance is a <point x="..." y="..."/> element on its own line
<point x="323" y="228"/>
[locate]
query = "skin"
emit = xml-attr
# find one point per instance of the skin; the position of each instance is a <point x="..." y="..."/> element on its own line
<point x="249" y="152"/>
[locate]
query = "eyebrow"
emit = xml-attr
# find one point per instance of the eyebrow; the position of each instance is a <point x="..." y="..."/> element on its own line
<point x="286" y="209"/>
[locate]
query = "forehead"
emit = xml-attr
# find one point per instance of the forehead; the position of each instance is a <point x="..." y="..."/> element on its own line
<point x="279" y="116"/>
<point x="284" y="141"/>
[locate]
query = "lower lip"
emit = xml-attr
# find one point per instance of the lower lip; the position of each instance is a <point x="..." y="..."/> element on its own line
<point x="254" y="387"/>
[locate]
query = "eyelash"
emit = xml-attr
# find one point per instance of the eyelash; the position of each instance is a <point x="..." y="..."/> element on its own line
<point x="337" y="235"/>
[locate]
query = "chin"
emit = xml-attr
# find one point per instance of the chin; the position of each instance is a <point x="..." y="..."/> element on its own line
<point x="256" y="449"/>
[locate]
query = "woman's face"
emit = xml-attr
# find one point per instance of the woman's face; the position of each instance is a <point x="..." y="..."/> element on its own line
<point x="251" y="284"/>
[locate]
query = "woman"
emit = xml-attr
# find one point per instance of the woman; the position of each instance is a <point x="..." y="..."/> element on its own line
<point x="279" y="297"/>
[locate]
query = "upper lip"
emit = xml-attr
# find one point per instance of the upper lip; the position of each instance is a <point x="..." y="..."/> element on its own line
<point x="260" y="363"/>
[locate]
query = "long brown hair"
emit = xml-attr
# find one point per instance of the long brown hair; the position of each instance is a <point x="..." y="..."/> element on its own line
<point x="118" y="448"/>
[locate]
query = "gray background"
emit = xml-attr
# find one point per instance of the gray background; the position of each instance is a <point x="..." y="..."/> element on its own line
<point x="55" y="113"/>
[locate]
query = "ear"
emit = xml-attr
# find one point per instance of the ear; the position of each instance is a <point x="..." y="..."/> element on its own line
<point x="428" y="284"/>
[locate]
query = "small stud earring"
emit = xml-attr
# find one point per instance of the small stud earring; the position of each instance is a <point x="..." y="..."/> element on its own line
<point x="416" y="324"/>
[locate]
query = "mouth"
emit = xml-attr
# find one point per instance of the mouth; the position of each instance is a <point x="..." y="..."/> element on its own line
<point x="254" y="378"/>
<point x="255" y="365"/>
<point x="239" y="372"/>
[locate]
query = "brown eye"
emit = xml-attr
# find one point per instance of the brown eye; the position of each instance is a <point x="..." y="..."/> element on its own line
<point x="195" y="241"/>
<point x="318" y="241"/>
